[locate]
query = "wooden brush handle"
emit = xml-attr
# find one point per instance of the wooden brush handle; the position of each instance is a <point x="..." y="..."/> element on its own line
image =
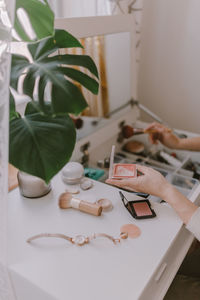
<point x="128" y="131"/>
<point x="90" y="208"/>
<point x="155" y="131"/>
<point x="150" y="131"/>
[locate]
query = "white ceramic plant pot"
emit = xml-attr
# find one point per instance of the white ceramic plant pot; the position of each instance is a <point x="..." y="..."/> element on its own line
<point x="32" y="186"/>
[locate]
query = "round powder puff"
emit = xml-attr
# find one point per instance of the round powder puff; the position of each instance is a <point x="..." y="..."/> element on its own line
<point x="105" y="203"/>
<point x="72" y="190"/>
<point x="132" y="230"/>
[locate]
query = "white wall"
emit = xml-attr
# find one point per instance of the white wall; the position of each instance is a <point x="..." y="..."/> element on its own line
<point x="79" y="8"/>
<point x="169" y="80"/>
<point x="118" y="68"/>
<point x="6" y="9"/>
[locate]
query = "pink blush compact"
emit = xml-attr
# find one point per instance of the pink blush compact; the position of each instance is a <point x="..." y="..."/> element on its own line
<point x="139" y="209"/>
<point x="120" y="171"/>
<point x="124" y="171"/>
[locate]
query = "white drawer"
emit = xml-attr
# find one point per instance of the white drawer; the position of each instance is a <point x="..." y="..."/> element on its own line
<point x="160" y="282"/>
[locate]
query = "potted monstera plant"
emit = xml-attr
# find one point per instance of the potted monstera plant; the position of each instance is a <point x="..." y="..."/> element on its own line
<point x="43" y="139"/>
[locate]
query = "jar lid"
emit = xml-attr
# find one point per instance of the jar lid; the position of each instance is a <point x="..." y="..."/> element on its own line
<point x="73" y="170"/>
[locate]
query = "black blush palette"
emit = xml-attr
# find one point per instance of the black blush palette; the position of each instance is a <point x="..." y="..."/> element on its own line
<point x="139" y="209"/>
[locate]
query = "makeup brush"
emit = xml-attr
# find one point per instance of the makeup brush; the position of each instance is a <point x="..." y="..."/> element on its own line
<point x="66" y="200"/>
<point x="128" y="131"/>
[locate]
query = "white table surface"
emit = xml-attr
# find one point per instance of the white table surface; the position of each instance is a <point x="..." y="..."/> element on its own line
<point x="98" y="270"/>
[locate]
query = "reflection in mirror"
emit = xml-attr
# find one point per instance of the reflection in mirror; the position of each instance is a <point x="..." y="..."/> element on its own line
<point x="111" y="54"/>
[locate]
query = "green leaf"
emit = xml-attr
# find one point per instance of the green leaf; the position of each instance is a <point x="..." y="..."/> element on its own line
<point x="41" y="18"/>
<point x="77" y="60"/>
<point x="18" y="66"/>
<point x="33" y="107"/>
<point x="83" y="79"/>
<point x="13" y="113"/>
<point x="29" y="83"/>
<point x="61" y="39"/>
<point x="41" y="89"/>
<point x="65" y="96"/>
<point x="41" y="145"/>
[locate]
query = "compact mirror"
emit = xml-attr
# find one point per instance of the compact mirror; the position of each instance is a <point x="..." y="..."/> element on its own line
<point x="111" y="54"/>
<point x="110" y="47"/>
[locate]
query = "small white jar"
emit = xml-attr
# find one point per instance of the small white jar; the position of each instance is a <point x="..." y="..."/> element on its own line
<point x="72" y="173"/>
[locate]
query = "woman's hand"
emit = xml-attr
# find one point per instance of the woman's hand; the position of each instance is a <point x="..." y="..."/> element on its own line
<point x="164" y="135"/>
<point x="151" y="182"/>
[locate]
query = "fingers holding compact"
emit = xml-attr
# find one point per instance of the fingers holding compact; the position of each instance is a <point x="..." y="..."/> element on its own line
<point x="151" y="182"/>
<point x="133" y="184"/>
<point x="122" y="183"/>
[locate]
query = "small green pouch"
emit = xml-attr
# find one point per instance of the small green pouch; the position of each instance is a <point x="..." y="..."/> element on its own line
<point x="93" y="173"/>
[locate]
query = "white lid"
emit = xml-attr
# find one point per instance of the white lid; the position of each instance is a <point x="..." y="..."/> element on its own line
<point x="73" y="170"/>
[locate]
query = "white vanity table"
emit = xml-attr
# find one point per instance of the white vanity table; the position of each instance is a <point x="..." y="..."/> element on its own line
<point x="56" y="269"/>
<point x="141" y="268"/>
<point x="50" y="269"/>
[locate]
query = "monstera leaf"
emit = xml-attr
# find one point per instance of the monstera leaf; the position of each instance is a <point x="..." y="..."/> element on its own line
<point x="42" y="141"/>
<point x="12" y="109"/>
<point x="41" y="144"/>
<point x="40" y="16"/>
<point x="47" y="67"/>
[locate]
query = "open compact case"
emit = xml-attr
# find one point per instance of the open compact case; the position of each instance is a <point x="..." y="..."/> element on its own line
<point x="121" y="170"/>
<point x="139" y="209"/>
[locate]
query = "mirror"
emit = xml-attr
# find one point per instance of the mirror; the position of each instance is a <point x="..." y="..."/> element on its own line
<point x="111" y="54"/>
<point x="115" y="38"/>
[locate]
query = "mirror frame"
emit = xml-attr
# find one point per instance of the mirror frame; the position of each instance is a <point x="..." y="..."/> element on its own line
<point x="103" y="25"/>
<point x="93" y="26"/>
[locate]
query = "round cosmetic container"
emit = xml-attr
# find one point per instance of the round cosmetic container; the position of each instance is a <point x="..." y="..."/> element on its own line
<point x="136" y="147"/>
<point x="72" y="173"/>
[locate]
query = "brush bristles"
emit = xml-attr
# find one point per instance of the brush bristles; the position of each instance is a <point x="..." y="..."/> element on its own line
<point x="127" y="131"/>
<point x="64" y="200"/>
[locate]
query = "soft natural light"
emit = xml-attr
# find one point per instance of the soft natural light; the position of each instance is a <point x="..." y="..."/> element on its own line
<point x="24" y="20"/>
<point x="5" y="20"/>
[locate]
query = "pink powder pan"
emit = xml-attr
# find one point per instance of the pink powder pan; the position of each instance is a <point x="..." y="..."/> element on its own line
<point x="139" y="209"/>
<point x="142" y="209"/>
<point x="124" y="171"/>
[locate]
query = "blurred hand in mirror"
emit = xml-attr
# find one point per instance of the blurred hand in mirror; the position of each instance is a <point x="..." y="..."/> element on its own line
<point x="164" y="135"/>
